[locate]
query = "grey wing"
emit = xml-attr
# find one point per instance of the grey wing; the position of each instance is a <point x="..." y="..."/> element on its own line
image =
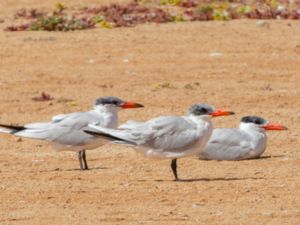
<point x="172" y="133"/>
<point x="227" y="144"/>
<point x="38" y="126"/>
<point x="131" y="124"/>
<point x="60" y="117"/>
<point x="131" y="132"/>
<point x="67" y="130"/>
<point x="55" y="119"/>
<point x="167" y="133"/>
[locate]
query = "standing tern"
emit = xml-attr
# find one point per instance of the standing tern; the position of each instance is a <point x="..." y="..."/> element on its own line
<point x="65" y="131"/>
<point x="246" y="142"/>
<point x="167" y="136"/>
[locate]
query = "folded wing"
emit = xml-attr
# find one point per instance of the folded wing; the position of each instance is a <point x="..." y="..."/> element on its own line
<point x="65" y="129"/>
<point x="227" y="144"/>
<point x="168" y="133"/>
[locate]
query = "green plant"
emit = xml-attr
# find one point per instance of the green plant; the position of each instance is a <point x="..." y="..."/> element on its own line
<point x="220" y="15"/>
<point x="243" y="9"/>
<point x="47" y="23"/>
<point x="105" y="24"/>
<point x="205" y="9"/>
<point x="169" y="2"/>
<point x="273" y="3"/>
<point x="97" y="19"/>
<point x="60" y="7"/>
<point x="178" y="18"/>
<point x="60" y="23"/>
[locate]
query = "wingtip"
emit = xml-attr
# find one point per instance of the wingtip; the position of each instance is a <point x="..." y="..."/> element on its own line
<point x="13" y="129"/>
<point x="93" y="133"/>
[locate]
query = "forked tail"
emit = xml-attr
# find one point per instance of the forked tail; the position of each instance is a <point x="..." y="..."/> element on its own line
<point x="109" y="137"/>
<point x="10" y="129"/>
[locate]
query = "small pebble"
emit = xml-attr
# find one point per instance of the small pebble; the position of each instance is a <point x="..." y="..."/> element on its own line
<point x="216" y="54"/>
<point x="262" y="23"/>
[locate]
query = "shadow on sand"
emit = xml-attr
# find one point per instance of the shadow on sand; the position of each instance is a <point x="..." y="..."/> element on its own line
<point x="267" y="157"/>
<point x="77" y="169"/>
<point x="259" y="158"/>
<point x="208" y="179"/>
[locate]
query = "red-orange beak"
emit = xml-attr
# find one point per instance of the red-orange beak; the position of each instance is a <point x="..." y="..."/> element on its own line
<point x="219" y="112"/>
<point x="131" y="105"/>
<point x="273" y="126"/>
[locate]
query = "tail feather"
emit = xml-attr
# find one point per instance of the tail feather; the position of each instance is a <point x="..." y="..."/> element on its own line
<point x="24" y="131"/>
<point x="109" y="137"/>
<point x="10" y="129"/>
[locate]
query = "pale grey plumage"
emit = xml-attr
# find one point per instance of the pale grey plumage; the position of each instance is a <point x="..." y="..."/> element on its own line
<point x="66" y="131"/>
<point x="246" y="142"/>
<point x="166" y="136"/>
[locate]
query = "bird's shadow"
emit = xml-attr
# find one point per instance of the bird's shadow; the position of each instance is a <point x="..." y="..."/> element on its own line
<point x="219" y="179"/>
<point x="208" y="179"/>
<point x="259" y="158"/>
<point x="267" y="157"/>
<point x="68" y="170"/>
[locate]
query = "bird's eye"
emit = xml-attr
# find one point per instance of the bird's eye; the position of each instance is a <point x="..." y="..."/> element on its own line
<point x="259" y="121"/>
<point x="203" y="110"/>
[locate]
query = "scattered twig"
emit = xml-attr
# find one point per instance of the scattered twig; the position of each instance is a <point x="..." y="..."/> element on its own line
<point x="43" y="97"/>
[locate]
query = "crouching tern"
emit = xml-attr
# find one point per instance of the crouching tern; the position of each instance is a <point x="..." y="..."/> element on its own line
<point x="66" y="131"/>
<point x="166" y="136"/>
<point x="246" y="142"/>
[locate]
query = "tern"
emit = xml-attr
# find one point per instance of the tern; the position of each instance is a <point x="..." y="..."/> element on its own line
<point x="65" y="131"/>
<point x="246" y="142"/>
<point x="169" y="137"/>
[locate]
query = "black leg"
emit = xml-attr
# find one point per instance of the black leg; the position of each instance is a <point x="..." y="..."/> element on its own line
<point x="84" y="160"/>
<point x="80" y="159"/>
<point x="174" y="169"/>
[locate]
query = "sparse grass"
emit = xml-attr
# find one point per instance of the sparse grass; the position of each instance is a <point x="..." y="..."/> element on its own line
<point x="170" y="2"/>
<point x="61" y="23"/>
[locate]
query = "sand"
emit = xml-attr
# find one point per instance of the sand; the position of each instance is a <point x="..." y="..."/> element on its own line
<point x="236" y="65"/>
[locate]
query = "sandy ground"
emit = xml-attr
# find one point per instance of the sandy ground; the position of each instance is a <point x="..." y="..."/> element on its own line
<point x="234" y="65"/>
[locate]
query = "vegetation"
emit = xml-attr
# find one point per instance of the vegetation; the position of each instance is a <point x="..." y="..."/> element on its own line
<point x="137" y="12"/>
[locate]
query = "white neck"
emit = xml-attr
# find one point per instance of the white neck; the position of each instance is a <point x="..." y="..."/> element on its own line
<point x="258" y="136"/>
<point x="204" y="130"/>
<point x="204" y="121"/>
<point x="200" y="119"/>
<point x="109" y="114"/>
